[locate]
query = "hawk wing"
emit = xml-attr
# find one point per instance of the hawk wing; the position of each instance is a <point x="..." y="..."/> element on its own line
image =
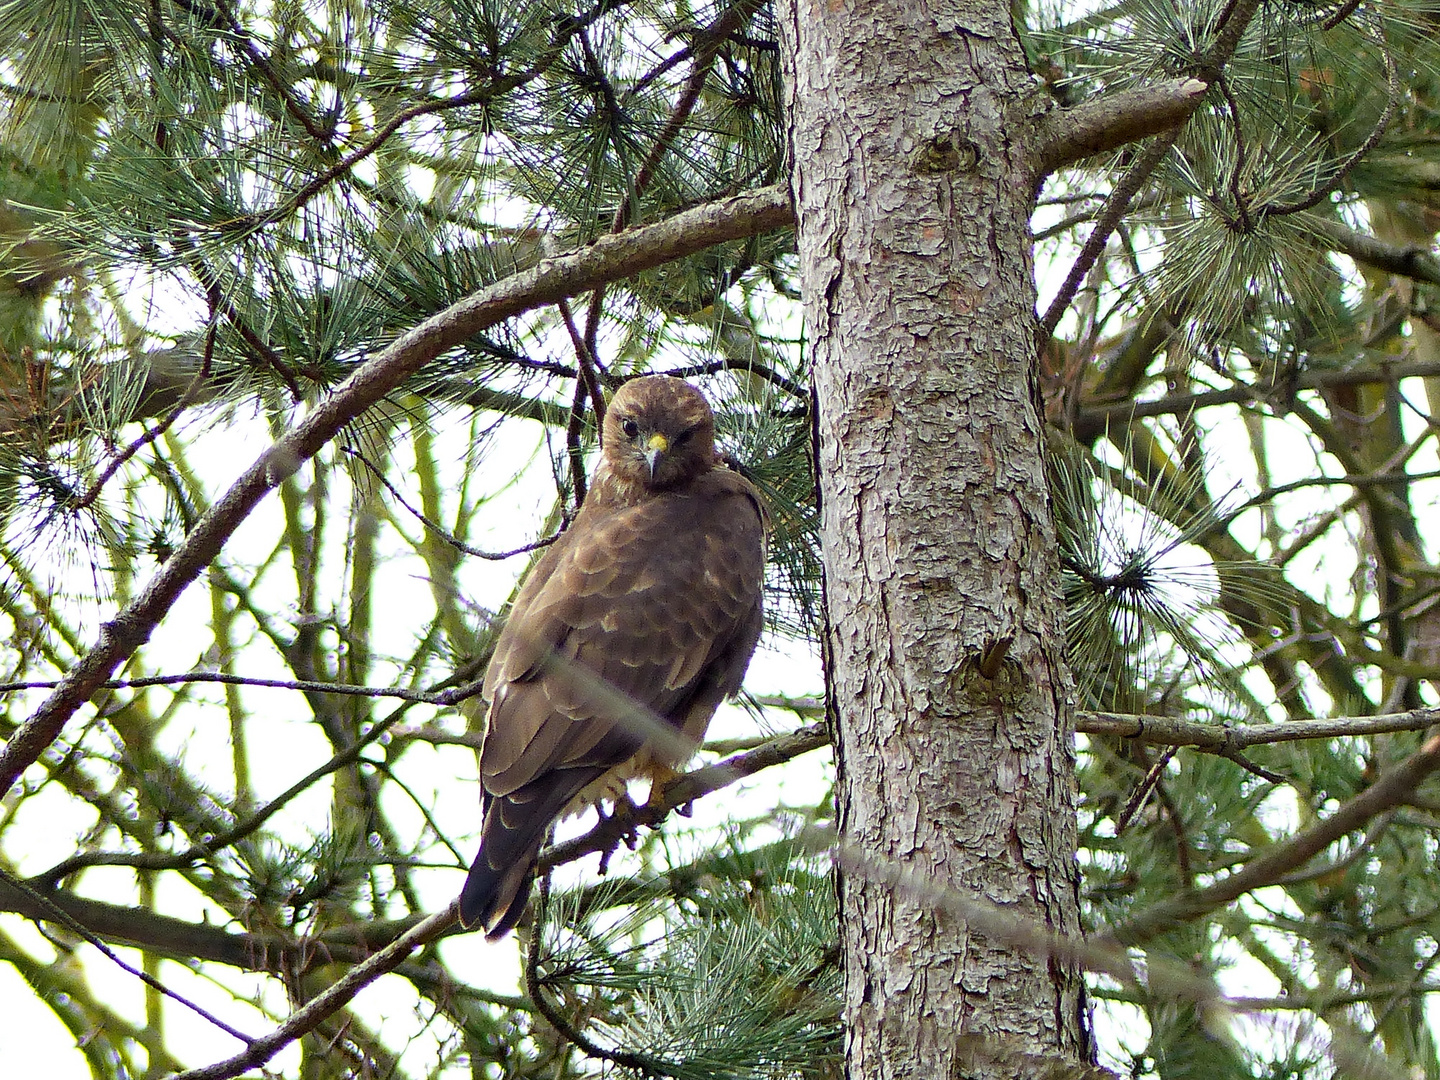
<point x="660" y="601"/>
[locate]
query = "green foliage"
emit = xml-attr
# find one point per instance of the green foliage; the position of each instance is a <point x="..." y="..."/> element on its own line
<point x="212" y="214"/>
<point x="732" y="972"/>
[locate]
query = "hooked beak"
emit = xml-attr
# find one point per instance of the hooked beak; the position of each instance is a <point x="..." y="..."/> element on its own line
<point x="657" y="445"/>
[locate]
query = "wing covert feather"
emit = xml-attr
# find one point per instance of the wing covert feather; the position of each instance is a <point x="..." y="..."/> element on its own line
<point x="646" y="598"/>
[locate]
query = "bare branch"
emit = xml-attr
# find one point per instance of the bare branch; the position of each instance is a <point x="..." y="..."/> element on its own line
<point x="1114" y="210"/>
<point x="1065" y="136"/>
<point x="686" y="789"/>
<point x="1164" y="731"/>
<point x="53" y="911"/>
<point x="1097" y="417"/>
<point x="610" y="258"/>
<point x="308" y="686"/>
<point x="1410" y="261"/>
<point x="334" y="998"/>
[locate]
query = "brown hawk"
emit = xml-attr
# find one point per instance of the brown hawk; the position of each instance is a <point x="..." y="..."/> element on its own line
<point x="648" y="606"/>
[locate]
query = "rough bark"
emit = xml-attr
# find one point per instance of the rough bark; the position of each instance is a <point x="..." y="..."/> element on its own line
<point x="944" y="646"/>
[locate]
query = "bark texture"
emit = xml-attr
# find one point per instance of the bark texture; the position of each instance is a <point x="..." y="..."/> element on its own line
<point x="944" y="649"/>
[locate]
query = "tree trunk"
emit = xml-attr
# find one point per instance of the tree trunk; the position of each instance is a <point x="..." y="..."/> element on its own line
<point x="944" y="648"/>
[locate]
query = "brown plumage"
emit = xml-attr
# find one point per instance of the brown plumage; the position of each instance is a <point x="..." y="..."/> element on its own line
<point x="653" y="592"/>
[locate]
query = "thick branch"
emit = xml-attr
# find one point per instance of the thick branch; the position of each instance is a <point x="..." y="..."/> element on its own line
<point x="1065" y="136"/>
<point x="611" y="258"/>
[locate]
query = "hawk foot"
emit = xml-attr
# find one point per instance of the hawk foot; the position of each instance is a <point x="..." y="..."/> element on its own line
<point x="622" y="819"/>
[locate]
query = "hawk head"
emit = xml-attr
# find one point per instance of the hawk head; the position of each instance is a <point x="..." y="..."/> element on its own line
<point x="659" y="433"/>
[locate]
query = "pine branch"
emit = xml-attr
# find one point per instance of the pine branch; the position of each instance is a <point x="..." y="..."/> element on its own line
<point x="642" y="1064"/>
<point x="610" y="258"/>
<point x="1065" y="136"/>
<point x="224" y="18"/>
<point x="565" y="29"/>
<point x="160" y="934"/>
<point x="1230" y="29"/>
<point x="1393" y="789"/>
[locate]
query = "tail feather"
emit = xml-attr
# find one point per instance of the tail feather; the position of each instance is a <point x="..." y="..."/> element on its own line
<point x="499" y="881"/>
<point x="495" y="898"/>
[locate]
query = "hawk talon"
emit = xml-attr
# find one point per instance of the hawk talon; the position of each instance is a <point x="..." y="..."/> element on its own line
<point x="624" y="815"/>
<point x="605" y="856"/>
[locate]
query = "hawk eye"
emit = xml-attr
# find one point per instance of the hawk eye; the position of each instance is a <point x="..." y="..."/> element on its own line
<point x="630" y="428"/>
<point x="683" y="436"/>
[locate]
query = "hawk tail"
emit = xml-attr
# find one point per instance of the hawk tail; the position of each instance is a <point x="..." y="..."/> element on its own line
<point x="495" y="899"/>
<point x="499" y="881"/>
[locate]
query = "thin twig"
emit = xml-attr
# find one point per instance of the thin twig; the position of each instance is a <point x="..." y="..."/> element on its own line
<point x="1342" y="13"/>
<point x="754" y="367"/>
<point x="308" y="686"/>
<point x="151" y="434"/>
<point x="574" y="447"/>
<point x="1229" y="753"/>
<point x="706" y="44"/>
<point x="262" y="63"/>
<point x="1392" y="101"/>
<point x="1247" y="222"/>
<point x="438" y="529"/>
<point x="60" y="915"/>
<point x="588" y="364"/>
<point x="1143" y="789"/>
